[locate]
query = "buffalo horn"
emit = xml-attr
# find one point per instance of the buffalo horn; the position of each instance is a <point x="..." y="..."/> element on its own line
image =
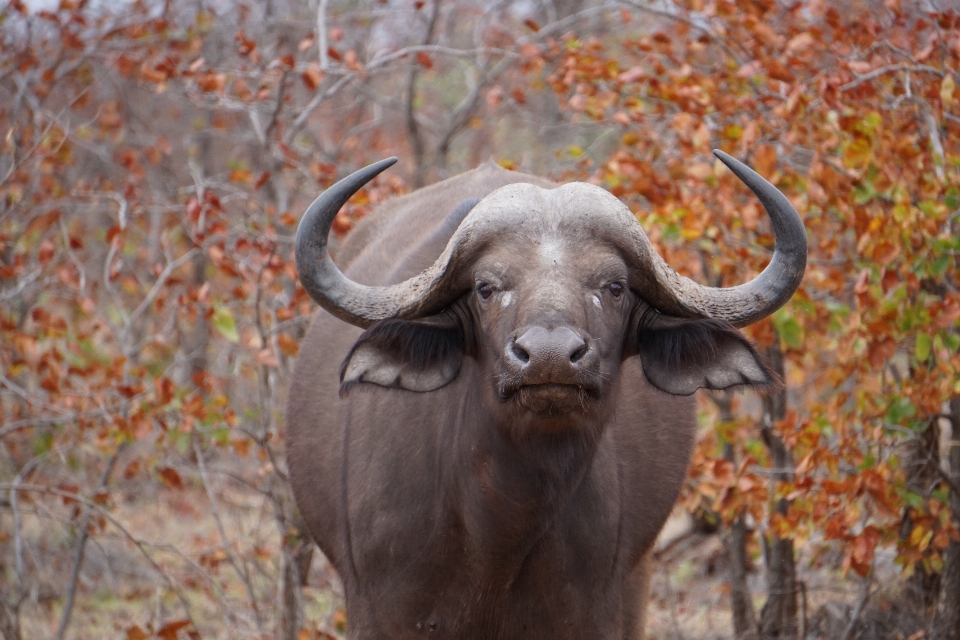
<point x="747" y="303"/>
<point x="435" y="287"/>
<point x="358" y="304"/>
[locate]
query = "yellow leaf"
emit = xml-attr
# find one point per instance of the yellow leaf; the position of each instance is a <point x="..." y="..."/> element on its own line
<point x="946" y="89"/>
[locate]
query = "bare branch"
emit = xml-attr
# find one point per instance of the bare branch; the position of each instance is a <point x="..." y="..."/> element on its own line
<point x="858" y="609"/>
<point x="139" y="544"/>
<point x="322" y="35"/>
<point x="158" y="284"/>
<point x="876" y="73"/>
<point x="81" y="548"/>
<point x="225" y="545"/>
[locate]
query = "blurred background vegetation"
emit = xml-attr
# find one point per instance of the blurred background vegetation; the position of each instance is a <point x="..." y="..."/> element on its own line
<point x="157" y="155"/>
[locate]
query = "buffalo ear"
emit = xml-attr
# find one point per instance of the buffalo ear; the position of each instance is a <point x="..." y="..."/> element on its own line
<point x="682" y="355"/>
<point x="416" y="355"/>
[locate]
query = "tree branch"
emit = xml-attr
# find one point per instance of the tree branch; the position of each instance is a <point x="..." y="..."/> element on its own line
<point x="224" y="544"/>
<point x="81" y="548"/>
<point x="921" y="68"/>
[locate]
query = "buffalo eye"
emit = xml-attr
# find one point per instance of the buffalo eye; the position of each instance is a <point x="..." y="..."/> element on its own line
<point x="484" y="290"/>
<point x="615" y="289"/>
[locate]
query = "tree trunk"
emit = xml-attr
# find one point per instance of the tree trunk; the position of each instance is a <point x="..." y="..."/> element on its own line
<point x="948" y="615"/>
<point x="9" y="622"/>
<point x="778" y="619"/>
<point x="290" y="611"/>
<point x="735" y="544"/>
<point x="922" y="465"/>
<point x="296" y="556"/>
<point x="417" y="144"/>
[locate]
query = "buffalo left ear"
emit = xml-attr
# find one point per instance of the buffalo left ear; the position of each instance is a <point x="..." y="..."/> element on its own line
<point x="682" y="355"/>
<point x="418" y="355"/>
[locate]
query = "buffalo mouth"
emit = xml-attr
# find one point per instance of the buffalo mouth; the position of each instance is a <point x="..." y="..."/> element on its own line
<point x="550" y="398"/>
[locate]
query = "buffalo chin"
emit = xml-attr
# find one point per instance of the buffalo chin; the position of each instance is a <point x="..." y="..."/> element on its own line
<point x="552" y="399"/>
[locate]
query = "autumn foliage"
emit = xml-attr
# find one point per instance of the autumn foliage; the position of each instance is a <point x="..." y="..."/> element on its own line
<point x="157" y="157"/>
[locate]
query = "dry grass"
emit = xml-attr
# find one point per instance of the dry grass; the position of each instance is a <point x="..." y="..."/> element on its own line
<point x="120" y="591"/>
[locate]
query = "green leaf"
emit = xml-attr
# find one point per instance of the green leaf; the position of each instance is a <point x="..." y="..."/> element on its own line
<point x="952" y="341"/>
<point x="913" y="499"/>
<point x="900" y="409"/>
<point x="43" y="443"/>
<point x="223" y="322"/>
<point x="922" y="347"/>
<point x="941" y="494"/>
<point x="788" y="328"/>
<point x="864" y="193"/>
<point x="952" y="198"/>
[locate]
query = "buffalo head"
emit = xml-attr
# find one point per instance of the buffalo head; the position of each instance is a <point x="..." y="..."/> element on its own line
<point x="549" y="290"/>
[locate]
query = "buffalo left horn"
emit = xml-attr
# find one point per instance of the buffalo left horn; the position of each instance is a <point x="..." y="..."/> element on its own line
<point x="358" y="304"/>
<point x="743" y="304"/>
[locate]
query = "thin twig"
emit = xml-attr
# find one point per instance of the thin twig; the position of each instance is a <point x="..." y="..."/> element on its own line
<point x="225" y="545"/>
<point x="890" y="68"/>
<point x="139" y="544"/>
<point x="933" y="131"/>
<point x="322" y="35"/>
<point x="158" y="284"/>
<point x="81" y="548"/>
<point x="690" y="23"/>
<point x="858" y="609"/>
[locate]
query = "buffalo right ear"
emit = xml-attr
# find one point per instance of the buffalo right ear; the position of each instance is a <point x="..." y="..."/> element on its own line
<point x="681" y="355"/>
<point x="416" y="355"/>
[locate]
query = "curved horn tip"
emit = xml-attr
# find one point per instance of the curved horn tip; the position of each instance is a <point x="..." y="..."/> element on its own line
<point x="387" y="162"/>
<point x="738" y="168"/>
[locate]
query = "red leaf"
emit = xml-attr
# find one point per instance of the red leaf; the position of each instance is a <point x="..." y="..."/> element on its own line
<point x="136" y="633"/>
<point x="288" y="345"/>
<point x="170" y="477"/>
<point x="424" y="60"/>
<point x="312" y="77"/>
<point x="170" y="629"/>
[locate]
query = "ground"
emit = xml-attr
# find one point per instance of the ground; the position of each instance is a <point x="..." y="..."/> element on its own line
<point x="121" y="595"/>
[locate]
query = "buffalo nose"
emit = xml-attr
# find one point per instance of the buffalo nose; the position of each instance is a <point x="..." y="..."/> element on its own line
<point x="550" y="353"/>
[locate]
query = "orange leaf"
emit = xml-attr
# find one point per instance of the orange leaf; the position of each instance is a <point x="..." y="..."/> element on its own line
<point x="288" y="345"/>
<point x="170" y="477"/>
<point x="312" y="77"/>
<point x="424" y="59"/>
<point x="136" y="633"/>
<point x="765" y="160"/>
<point x="777" y="71"/>
<point x="170" y="629"/>
<point x="494" y="97"/>
<point x="240" y="176"/>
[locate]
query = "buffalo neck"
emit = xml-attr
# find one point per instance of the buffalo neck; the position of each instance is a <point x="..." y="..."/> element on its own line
<point x="511" y="483"/>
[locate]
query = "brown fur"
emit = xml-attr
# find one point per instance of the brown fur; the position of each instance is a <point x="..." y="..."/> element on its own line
<point x="475" y="513"/>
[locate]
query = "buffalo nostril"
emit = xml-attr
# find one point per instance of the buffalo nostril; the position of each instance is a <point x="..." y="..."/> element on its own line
<point x="520" y="352"/>
<point x="581" y="351"/>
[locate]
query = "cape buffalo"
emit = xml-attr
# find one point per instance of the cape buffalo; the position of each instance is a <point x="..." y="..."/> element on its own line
<point x="490" y="426"/>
